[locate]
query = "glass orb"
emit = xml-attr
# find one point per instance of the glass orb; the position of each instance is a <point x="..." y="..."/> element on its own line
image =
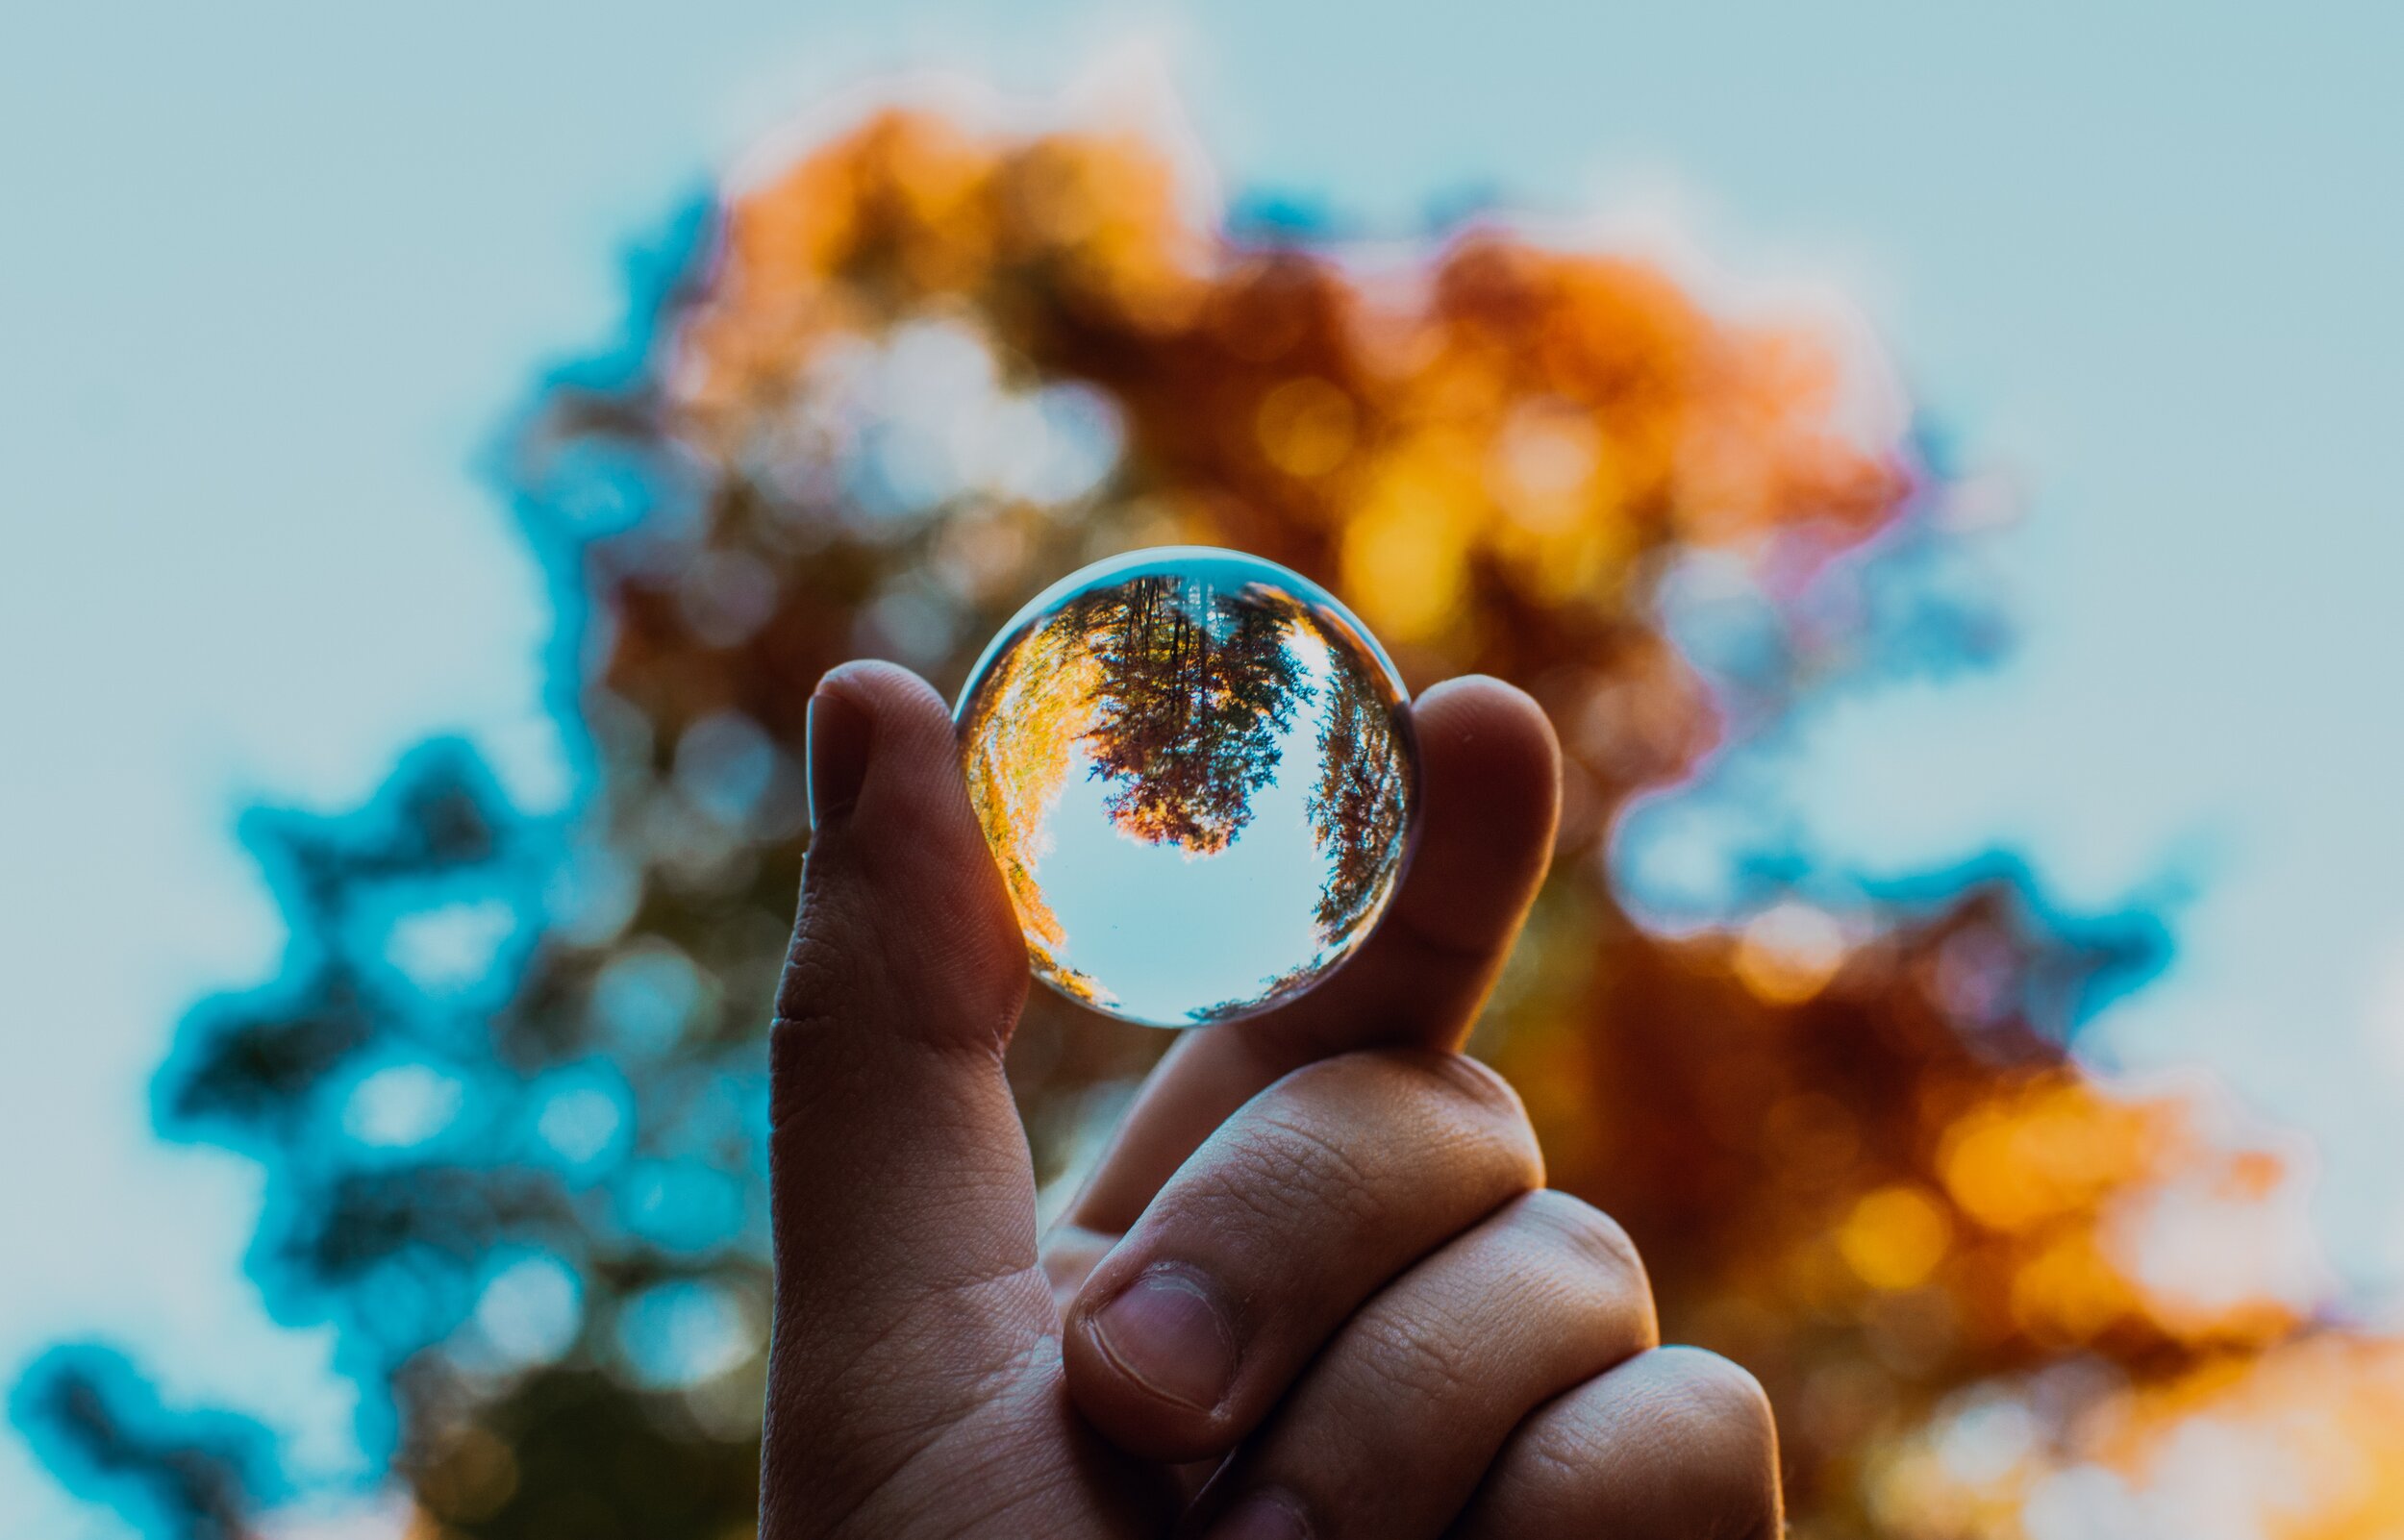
<point x="1197" y="773"/>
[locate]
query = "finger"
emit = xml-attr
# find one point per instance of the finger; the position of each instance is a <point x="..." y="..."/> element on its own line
<point x="903" y="1198"/>
<point x="1490" y="780"/>
<point x="1675" y="1445"/>
<point x="1390" y="1433"/>
<point x="1308" y="1202"/>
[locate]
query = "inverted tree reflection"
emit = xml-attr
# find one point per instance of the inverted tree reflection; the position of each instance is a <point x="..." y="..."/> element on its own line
<point x="1357" y="808"/>
<point x="1194" y="690"/>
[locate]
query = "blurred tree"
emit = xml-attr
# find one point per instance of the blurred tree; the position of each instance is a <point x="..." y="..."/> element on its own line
<point x="508" y="1087"/>
<point x="196" y="1476"/>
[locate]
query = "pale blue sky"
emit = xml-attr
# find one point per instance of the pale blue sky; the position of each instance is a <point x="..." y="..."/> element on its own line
<point x="272" y="272"/>
<point x="1167" y="932"/>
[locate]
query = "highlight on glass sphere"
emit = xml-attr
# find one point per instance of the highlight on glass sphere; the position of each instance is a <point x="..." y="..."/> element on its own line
<point x="1197" y="773"/>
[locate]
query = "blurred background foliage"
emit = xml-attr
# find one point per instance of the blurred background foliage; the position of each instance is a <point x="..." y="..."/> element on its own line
<point x="508" y="1089"/>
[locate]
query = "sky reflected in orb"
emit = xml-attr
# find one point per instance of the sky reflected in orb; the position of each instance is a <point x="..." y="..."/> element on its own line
<point x="1196" y="771"/>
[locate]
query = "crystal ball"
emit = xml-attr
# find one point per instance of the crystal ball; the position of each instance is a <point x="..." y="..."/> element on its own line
<point x="1197" y="774"/>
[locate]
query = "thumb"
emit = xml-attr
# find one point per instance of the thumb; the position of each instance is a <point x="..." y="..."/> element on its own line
<point x="903" y="1197"/>
<point x="906" y="931"/>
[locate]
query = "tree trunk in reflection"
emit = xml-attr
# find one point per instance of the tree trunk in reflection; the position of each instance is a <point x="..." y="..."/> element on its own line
<point x="1195" y="689"/>
<point x="1357" y="810"/>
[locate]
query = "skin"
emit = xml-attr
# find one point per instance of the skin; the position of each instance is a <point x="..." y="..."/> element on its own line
<point x="1318" y="1286"/>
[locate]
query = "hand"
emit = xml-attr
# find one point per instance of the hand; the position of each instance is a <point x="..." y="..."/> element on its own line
<point x="1316" y="1289"/>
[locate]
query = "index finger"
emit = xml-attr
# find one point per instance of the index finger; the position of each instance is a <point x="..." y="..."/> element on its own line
<point x="1490" y="774"/>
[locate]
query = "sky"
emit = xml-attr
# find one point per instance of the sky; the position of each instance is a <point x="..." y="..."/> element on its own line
<point x="1169" y="932"/>
<point x="273" y="274"/>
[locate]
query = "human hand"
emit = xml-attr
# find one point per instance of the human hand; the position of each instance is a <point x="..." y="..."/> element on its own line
<point x="1315" y="1288"/>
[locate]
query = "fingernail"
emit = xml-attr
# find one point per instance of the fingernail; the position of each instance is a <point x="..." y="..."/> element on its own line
<point x="1168" y="1333"/>
<point x="836" y="743"/>
<point x="1262" y="1516"/>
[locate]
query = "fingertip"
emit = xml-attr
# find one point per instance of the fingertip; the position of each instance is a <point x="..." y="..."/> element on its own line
<point x="873" y="680"/>
<point x="892" y="700"/>
<point x="1492" y="786"/>
<point x="1487" y="733"/>
<point x="879" y="731"/>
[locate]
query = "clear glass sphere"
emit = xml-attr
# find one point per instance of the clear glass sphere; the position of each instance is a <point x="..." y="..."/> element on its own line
<point x="1197" y="772"/>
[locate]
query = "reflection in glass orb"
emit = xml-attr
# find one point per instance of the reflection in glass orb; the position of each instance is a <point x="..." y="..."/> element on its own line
<point x="1197" y="773"/>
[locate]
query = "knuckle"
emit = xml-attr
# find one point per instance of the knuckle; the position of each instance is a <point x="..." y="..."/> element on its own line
<point x="860" y="954"/>
<point x="1553" y="1464"/>
<point x="1718" y="1419"/>
<point x="1246" y="1187"/>
<point x="822" y="965"/>
<point x="1352" y="1145"/>
<point x="1676" y="1441"/>
<point x="1592" y="1237"/>
<point x="1708" y="1391"/>
<point x="810" y="1065"/>
<point x="1428" y="1360"/>
<point x="1286" y="1169"/>
<point x="1470" y="1103"/>
<point x="1265" y="1177"/>
<point x="1476" y="1083"/>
